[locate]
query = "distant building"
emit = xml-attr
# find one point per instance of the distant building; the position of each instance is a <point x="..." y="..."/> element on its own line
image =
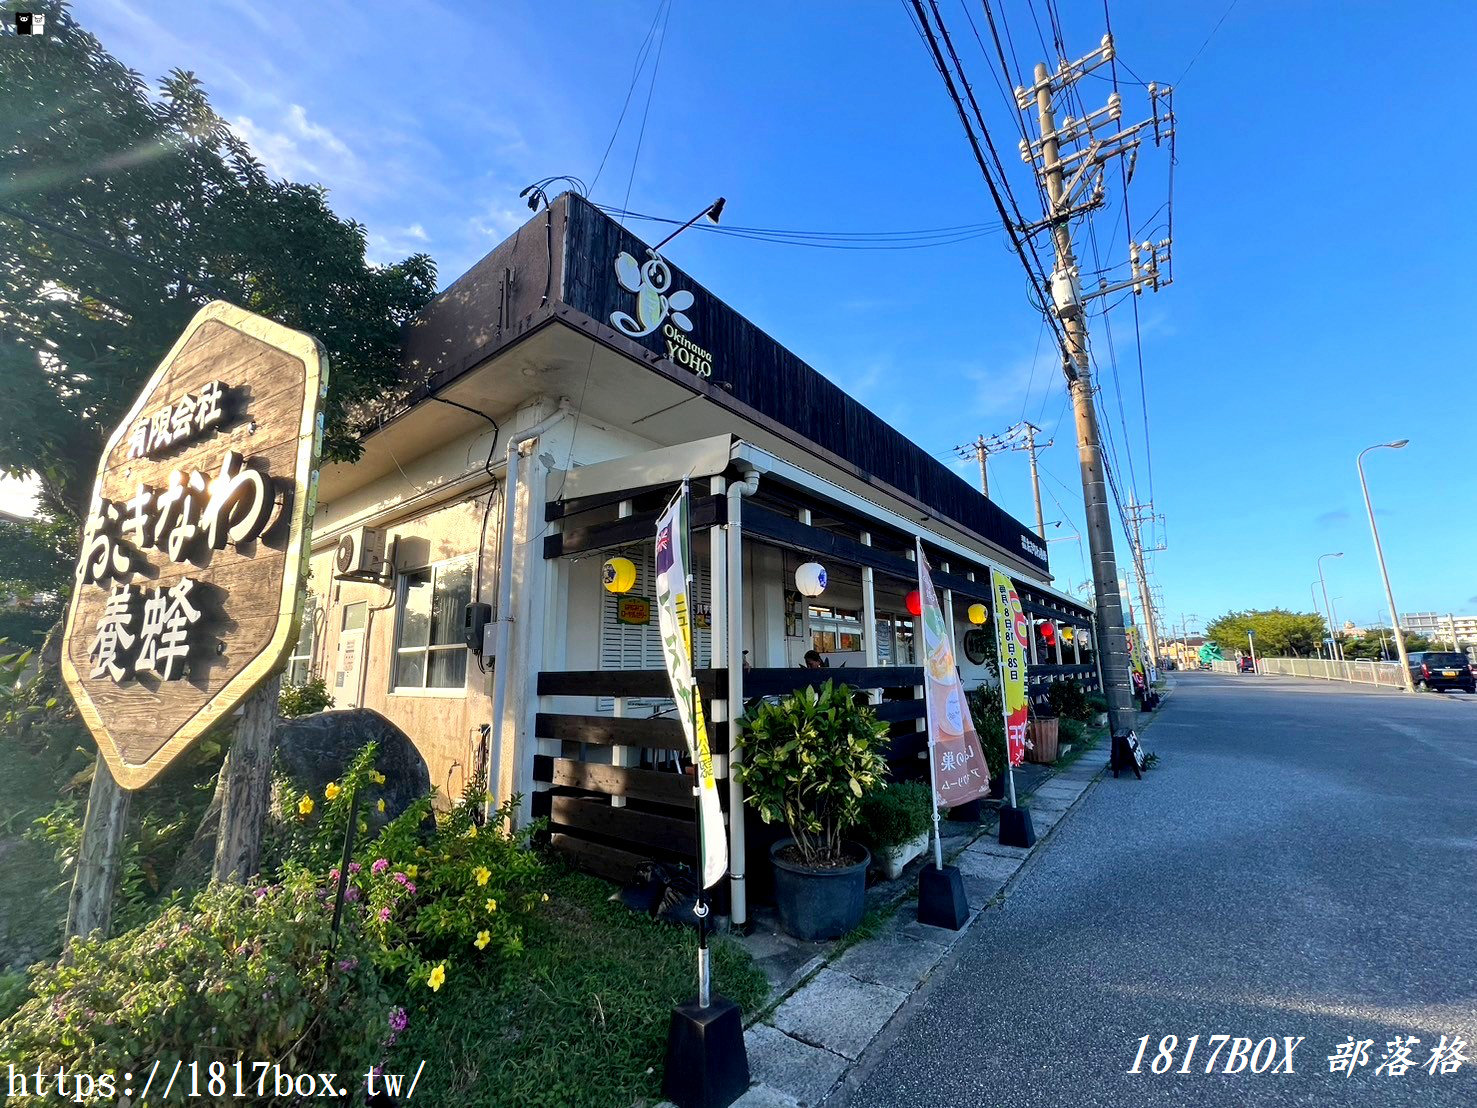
<point x="1437" y="626"/>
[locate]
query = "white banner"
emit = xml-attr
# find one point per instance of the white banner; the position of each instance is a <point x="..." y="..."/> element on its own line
<point x="674" y="614"/>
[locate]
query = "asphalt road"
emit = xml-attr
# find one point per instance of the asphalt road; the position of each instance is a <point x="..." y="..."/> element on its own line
<point x="1302" y="862"/>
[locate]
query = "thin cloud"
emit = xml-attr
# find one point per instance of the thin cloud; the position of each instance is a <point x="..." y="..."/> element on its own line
<point x="298" y="149"/>
<point x="1330" y="519"/>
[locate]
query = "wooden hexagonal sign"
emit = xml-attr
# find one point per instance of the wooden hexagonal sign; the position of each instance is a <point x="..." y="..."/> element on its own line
<point x="195" y="551"/>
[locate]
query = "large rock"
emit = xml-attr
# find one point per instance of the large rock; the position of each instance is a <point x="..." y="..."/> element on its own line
<point x="314" y="750"/>
<point x="311" y="751"/>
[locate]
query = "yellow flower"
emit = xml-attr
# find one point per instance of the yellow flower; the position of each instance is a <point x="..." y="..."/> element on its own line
<point x="437" y="978"/>
<point x="472" y="831"/>
<point x="482" y="873"/>
<point x="545" y="898"/>
<point x="412" y="870"/>
<point x="330" y="791"/>
<point x="377" y="777"/>
<point x="491" y="904"/>
<point x="483" y="938"/>
<point x="305" y="806"/>
<point x="381" y="805"/>
<point x="363" y="827"/>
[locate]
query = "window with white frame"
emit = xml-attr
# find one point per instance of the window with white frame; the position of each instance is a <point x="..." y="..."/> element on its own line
<point x="300" y="664"/>
<point x="630" y="634"/>
<point x="429" y="651"/>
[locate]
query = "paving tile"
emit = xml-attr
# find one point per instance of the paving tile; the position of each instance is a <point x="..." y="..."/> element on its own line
<point x="990" y="845"/>
<point x="786" y="1066"/>
<point x="976" y="862"/>
<point x="979" y="891"/>
<point x="1044" y="819"/>
<point x="762" y="1096"/>
<point x="1039" y="803"/>
<point x="838" y="1012"/>
<point x="891" y="960"/>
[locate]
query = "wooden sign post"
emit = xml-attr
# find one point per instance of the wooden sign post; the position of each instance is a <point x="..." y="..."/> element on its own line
<point x="187" y="591"/>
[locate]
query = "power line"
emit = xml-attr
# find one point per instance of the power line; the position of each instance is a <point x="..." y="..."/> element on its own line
<point x="1206" y="43"/>
<point x="1038" y="272"/>
<point x="642" y="53"/>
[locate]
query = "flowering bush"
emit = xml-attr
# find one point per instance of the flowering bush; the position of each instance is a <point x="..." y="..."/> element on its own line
<point x="428" y="888"/>
<point x="240" y="973"/>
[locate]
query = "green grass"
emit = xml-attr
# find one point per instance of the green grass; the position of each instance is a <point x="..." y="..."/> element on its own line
<point x="580" y="1018"/>
<point x="1080" y="748"/>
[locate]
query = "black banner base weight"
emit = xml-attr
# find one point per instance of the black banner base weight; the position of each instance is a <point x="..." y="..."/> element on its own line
<point x="707" y="1066"/>
<point x="1015" y="827"/>
<point x="941" y="900"/>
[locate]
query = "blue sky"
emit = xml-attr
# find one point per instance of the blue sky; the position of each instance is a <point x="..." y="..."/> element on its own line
<point x="1320" y="217"/>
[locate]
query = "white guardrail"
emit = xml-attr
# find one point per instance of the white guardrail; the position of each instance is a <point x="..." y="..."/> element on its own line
<point x="1359" y="671"/>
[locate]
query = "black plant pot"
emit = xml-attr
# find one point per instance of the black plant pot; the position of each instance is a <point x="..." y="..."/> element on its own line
<point x="816" y="904"/>
<point x="997" y="787"/>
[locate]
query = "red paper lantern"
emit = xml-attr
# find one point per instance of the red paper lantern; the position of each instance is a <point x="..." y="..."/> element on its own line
<point x="914" y="602"/>
<point x="1048" y="632"/>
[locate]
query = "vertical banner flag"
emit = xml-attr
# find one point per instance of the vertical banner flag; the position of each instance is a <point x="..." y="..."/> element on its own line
<point x="959" y="771"/>
<point x="1136" y="655"/>
<point x="1011" y="631"/>
<point x="674" y="615"/>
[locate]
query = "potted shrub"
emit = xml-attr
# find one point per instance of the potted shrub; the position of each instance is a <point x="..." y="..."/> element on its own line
<point x="895" y="824"/>
<point x="809" y="759"/>
<point x="1044" y="735"/>
<point x="1098" y="703"/>
<point x="1070" y="732"/>
<point x="989" y="721"/>
<point x="1069" y="701"/>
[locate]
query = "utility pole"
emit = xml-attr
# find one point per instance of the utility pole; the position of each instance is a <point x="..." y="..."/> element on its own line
<point x="1136" y="515"/>
<point x="981" y="449"/>
<point x="1046" y="158"/>
<point x="1030" y="447"/>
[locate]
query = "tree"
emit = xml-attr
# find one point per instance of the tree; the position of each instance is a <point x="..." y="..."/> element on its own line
<point x="1279" y="632"/>
<point x="121" y="214"/>
<point x="1370" y="645"/>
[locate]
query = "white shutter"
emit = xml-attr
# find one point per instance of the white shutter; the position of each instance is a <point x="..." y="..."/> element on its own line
<point x="627" y="646"/>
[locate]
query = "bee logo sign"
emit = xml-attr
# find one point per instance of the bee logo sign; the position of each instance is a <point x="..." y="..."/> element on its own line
<point x="658" y="307"/>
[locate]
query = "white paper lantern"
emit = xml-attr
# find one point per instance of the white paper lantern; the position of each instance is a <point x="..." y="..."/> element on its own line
<point x="810" y="579"/>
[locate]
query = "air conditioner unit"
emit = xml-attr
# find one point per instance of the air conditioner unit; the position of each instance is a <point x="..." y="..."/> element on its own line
<point x="360" y="555"/>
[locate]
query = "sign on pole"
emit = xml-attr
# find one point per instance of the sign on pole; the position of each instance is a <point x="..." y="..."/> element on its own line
<point x="1013" y="638"/>
<point x="674" y="616"/>
<point x="187" y="592"/>
<point x="958" y="760"/>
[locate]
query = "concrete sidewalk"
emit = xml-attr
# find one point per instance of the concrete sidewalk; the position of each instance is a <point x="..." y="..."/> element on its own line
<point x="833" y="1009"/>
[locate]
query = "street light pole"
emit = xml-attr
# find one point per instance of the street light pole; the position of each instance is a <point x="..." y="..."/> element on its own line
<point x="1333" y="652"/>
<point x="1380" y="556"/>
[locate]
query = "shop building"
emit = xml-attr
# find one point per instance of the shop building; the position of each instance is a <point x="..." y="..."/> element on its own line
<point x="562" y="391"/>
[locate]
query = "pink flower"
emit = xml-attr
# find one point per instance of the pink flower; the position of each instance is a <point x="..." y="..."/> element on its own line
<point x="398" y="1019"/>
<point x="410" y="887"/>
<point x="385" y="914"/>
<point x="355" y="867"/>
<point x="400" y="877"/>
<point x="348" y="964"/>
<point x="379" y="867"/>
<point x="352" y="894"/>
<point x="333" y="874"/>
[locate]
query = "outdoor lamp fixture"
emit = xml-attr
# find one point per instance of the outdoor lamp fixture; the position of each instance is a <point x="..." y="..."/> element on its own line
<point x="1333" y="648"/>
<point x="810" y="579"/>
<point x="1379" y="554"/>
<point x="618" y="575"/>
<point x="914" y="602"/>
<point x="978" y="614"/>
<point x="712" y="212"/>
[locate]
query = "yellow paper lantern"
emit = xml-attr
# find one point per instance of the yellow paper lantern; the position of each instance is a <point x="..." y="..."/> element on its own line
<point x="1068" y="634"/>
<point x="618" y="575"/>
<point x="978" y="614"/>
